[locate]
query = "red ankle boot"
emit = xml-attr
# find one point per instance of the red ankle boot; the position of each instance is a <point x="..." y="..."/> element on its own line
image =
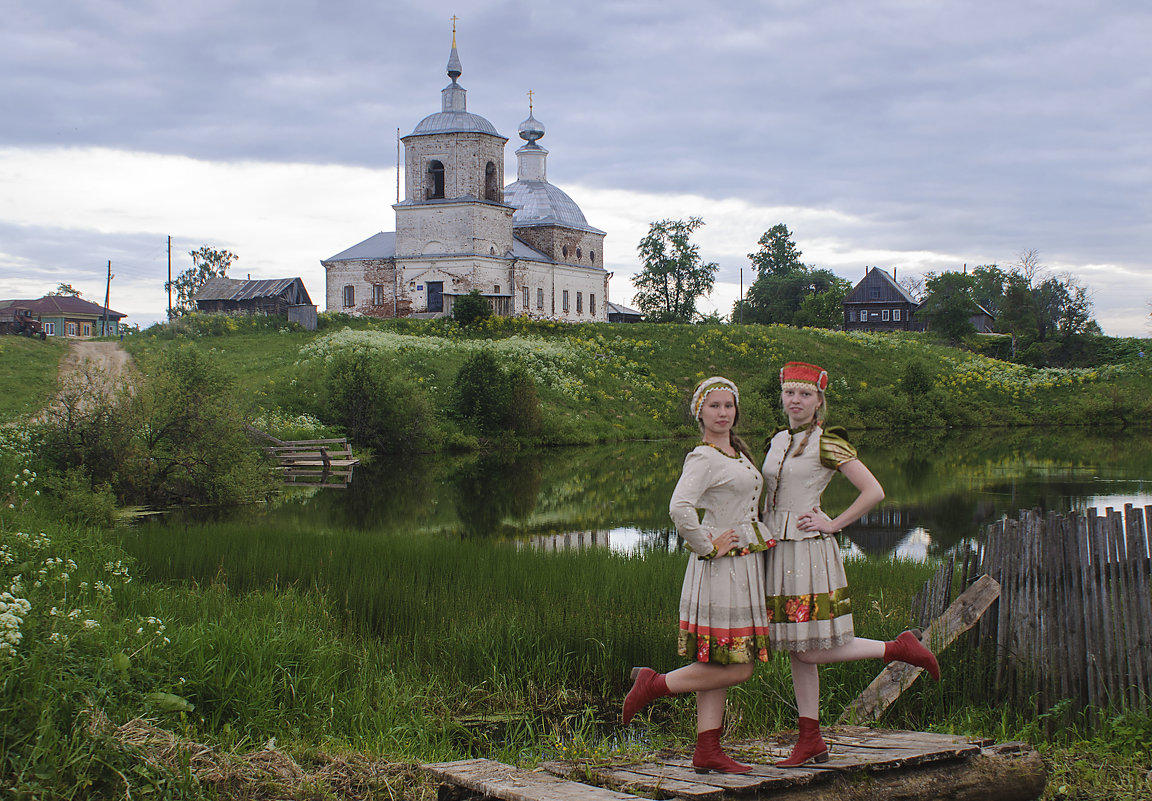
<point x="709" y="755"/>
<point x="908" y="648"/>
<point x="647" y="686"/>
<point x="810" y="746"/>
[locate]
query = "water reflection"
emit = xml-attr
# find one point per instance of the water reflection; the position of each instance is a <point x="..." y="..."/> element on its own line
<point x="942" y="487"/>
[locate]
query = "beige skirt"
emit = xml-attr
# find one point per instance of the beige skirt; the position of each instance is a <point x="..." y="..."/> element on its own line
<point x="808" y="604"/>
<point x="723" y="618"/>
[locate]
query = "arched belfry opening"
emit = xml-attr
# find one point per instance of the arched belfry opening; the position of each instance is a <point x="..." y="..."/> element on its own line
<point x="435" y="179"/>
<point x="492" y="189"/>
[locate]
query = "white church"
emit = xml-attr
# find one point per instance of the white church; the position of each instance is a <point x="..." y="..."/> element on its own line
<point x="525" y="246"/>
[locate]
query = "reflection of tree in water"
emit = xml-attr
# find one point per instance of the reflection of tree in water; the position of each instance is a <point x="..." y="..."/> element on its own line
<point x="391" y="493"/>
<point x="494" y="488"/>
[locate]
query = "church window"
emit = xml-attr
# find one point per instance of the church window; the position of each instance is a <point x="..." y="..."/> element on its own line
<point x="540" y="298"/>
<point x="525" y="297"/>
<point x="492" y="251"/>
<point x="577" y="254"/>
<point x="592" y="256"/>
<point x="377" y="294"/>
<point x="565" y="299"/>
<point x="491" y="183"/>
<point x="591" y="303"/>
<point x="579" y="302"/>
<point x="564" y="250"/>
<point x="349" y="296"/>
<point x="496" y="291"/>
<point x="435" y="180"/>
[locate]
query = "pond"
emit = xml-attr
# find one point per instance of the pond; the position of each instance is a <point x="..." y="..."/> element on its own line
<point x="941" y="486"/>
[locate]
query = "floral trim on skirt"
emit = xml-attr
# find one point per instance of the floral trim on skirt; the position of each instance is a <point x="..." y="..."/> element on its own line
<point x="724" y="649"/>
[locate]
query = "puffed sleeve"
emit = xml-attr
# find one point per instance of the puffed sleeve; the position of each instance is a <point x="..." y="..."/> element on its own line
<point x="694" y="482"/>
<point x="835" y="449"/>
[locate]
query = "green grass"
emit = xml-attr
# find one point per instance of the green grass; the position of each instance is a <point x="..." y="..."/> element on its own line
<point x="27" y="374"/>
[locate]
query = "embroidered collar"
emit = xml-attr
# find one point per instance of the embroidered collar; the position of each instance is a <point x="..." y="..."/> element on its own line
<point x="721" y="450"/>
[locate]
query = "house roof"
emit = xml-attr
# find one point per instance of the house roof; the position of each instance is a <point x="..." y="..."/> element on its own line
<point x="65" y="306"/>
<point x="886" y="278"/>
<point x="222" y="288"/>
<point x="616" y="308"/>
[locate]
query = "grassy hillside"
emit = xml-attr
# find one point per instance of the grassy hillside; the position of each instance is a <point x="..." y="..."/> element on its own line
<point x="603" y="382"/>
<point x="27" y="373"/>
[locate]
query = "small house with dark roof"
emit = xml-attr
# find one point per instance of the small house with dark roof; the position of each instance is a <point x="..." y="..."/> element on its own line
<point x="276" y="297"/>
<point x="622" y="314"/>
<point x="878" y="303"/>
<point x="66" y="316"/>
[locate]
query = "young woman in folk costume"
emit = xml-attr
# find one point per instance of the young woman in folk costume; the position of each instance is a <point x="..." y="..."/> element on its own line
<point x="723" y="623"/>
<point x="808" y="605"/>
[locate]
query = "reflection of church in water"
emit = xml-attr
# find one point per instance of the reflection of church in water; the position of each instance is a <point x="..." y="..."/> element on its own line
<point x="526" y="247"/>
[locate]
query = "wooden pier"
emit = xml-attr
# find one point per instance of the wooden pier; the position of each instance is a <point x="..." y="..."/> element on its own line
<point x="866" y="765"/>
<point x="314" y="462"/>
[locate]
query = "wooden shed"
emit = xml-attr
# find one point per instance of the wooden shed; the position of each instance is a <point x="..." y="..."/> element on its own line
<point x="281" y="297"/>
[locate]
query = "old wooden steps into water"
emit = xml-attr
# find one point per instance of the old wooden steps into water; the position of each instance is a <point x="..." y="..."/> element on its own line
<point x="872" y="764"/>
<point x="316" y="462"/>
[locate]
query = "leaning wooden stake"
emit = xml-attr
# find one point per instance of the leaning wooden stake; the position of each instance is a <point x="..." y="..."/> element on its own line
<point x="897" y="676"/>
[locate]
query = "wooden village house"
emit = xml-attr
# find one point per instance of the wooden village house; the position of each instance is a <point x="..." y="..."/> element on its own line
<point x="878" y="303"/>
<point x="62" y="316"/>
<point x="276" y="297"/>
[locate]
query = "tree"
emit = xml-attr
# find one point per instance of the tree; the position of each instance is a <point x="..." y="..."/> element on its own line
<point x="824" y="309"/>
<point x="949" y="306"/>
<point x="778" y="254"/>
<point x="471" y="308"/>
<point x="206" y="263"/>
<point x="674" y="275"/>
<point x="65" y="289"/>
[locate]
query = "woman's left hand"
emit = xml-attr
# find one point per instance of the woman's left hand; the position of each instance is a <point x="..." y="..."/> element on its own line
<point x="816" y="520"/>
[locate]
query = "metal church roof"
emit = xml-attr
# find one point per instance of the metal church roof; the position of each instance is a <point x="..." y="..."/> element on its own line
<point x="542" y="203"/>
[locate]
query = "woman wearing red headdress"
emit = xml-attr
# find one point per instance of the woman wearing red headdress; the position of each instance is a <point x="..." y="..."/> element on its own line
<point x="808" y="604"/>
<point x="723" y="623"/>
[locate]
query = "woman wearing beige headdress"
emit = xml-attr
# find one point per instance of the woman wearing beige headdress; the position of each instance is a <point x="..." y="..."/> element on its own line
<point x="723" y="625"/>
<point x="808" y="604"/>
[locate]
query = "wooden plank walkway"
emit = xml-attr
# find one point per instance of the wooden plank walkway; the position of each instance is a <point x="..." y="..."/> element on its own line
<point x="319" y="462"/>
<point x="865" y="765"/>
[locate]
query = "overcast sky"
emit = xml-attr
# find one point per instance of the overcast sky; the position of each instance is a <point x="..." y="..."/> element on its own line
<point x="912" y="135"/>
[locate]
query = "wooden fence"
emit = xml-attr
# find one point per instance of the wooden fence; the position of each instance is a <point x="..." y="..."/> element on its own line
<point x="1072" y="628"/>
<point x="315" y="462"/>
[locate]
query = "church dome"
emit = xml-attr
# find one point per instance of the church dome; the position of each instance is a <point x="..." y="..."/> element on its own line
<point x="454" y="122"/>
<point x="541" y="203"/>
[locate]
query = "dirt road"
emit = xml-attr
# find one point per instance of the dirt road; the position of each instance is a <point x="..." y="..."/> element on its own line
<point x="112" y="359"/>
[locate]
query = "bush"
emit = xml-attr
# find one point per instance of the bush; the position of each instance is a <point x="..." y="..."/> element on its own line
<point x="917" y="380"/>
<point x="471" y="308"/>
<point x="373" y="405"/>
<point x="494" y="399"/>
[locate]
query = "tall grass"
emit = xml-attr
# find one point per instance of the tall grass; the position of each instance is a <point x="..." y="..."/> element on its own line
<point x="27" y="373"/>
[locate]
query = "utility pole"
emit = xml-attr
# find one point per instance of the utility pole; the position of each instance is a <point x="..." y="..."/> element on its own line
<point x="169" y="284"/>
<point x="107" y="297"/>
<point x="740" y="316"/>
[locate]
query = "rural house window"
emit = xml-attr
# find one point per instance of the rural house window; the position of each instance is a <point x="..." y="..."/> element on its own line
<point x="579" y="302"/>
<point x="851" y="316"/>
<point x="539" y="298"/>
<point x="565" y="304"/>
<point x="349" y="296"/>
<point x="884" y="315"/>
<point x="435" y="180"/>
<point x="71" y="329"/>
<point x="591" y="303"/>
<point x="50" y="329"/>
<point x="378" y="294"/>
<point x="896" y="315"/>
<point x="525" y="297"/>
<point x="874" y="293"/>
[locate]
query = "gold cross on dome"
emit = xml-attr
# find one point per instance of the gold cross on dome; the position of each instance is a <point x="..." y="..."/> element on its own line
<point x="530" y="93"/>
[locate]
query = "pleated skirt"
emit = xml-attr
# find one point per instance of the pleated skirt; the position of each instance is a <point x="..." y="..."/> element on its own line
<point x="723" y="618"/>
<point x="808" y="606"/>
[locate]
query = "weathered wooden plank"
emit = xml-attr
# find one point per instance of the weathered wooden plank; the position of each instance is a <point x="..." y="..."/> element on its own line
<point x="897" y="676"/>
<point x="1135" y="593"/>
<point x="651" y="779"/>
<point x="497" y="780"/>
